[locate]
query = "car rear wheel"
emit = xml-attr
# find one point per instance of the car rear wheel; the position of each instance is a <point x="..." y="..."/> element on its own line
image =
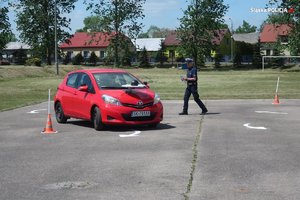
<point x="97" y="119"/>
<point x="59" y="114"/>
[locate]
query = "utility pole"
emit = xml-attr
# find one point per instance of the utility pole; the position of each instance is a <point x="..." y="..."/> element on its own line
<point x="55" y="36"/>
<point x="116" y="64"/>
<point x="231" y="41"/>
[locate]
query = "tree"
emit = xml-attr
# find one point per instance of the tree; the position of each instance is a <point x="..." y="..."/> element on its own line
<point x="160" y="56"/>
<point x="197" y="27"/>
<point x="78" y="59"/>
<point x="246" y="28"/>
<point x="91" y="24"/>
<point x="155" y="32"/>
<point x="35" y="21"/>
<point x="292" y="18"/>
<point x="93" y="58"/>
<point x="144" y="60"/>
<point x="120" y="17"/>
<point x="4" y="27"/>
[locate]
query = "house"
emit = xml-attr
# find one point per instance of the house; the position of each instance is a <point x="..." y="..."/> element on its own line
<point x="86" y="43"/>
<point x="272" y="35"/>
<point x="152" y="45"/>
<point x="244" y="45"/>
<point x="172" y="43"/>
<point x="221" y="39"/>
<point x="14" y="52"/>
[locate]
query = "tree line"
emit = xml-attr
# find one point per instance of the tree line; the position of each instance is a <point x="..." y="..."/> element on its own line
<point x="35" y="22"/>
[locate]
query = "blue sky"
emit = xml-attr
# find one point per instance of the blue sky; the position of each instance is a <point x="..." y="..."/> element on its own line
<point x="165" y="13"/>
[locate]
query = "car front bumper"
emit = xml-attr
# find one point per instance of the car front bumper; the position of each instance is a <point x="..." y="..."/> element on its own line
<point x="121" y="115"/>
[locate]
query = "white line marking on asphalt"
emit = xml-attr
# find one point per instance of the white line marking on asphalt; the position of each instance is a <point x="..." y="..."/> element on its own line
<point x="35" y="111"/>
<point x="253" y="127"/>
<point x="271" y="112"/>
<point x="135" y="134"/>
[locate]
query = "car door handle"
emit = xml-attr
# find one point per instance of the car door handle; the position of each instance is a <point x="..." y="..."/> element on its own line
<point x="75" y="93"/>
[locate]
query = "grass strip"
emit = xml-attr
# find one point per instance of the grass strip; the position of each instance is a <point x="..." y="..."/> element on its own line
<point x="194" y="161"/>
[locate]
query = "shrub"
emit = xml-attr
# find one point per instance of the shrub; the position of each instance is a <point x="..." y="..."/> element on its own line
<point x="218" y="59"/>
<point x="66" y="59"/>
<point x="34" y="62"/>
<point x="93" y="58"/>
<point x="78" y="59"/>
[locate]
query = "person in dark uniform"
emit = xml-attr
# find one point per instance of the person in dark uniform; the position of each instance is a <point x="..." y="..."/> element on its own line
<point x="192" y="88"/>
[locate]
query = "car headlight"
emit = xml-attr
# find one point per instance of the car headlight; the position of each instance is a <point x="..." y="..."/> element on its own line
<point x="111" y="100"/>
<point x="156" y="98"/>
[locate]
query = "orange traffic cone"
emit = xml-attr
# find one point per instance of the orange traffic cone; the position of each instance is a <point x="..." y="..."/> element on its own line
<point x="48" y="129"/>
<point x="276" y="99"/>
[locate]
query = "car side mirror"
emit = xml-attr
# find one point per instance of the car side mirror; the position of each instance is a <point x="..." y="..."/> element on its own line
<point x="146" y="83"/>
<point x="83" y="88"/>
<point x="134" y="83"/>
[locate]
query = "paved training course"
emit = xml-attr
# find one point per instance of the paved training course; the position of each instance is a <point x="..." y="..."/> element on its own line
<point x="225" y="154"/>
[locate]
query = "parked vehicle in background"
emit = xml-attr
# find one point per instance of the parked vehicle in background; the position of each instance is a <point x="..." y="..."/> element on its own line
<point x="107" y="97"/>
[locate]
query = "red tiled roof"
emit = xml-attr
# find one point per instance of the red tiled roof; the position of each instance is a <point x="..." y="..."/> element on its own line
<point x="171" y="39"/>
<point x="270" y="32"/>
<point x="92" y="40"/>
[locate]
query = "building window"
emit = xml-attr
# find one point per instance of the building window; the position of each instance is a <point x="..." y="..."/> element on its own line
<point x="171" y="53"/>
<point x="85" y="54"/>
<point x="284" y="39"/>
<point x="268" y="52"/>
<point x="102" y="54"/>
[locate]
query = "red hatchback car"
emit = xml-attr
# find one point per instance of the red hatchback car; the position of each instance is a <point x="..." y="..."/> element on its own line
<point x="107" y="97"/>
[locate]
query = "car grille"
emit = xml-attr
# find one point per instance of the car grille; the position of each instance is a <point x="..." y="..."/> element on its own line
<point x="128" y="117"/>
<point x="138" y="106"/>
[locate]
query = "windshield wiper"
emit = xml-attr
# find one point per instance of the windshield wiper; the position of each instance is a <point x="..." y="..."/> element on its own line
<point x="108" y="87"/>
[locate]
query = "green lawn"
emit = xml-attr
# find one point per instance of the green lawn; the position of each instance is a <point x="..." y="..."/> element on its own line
<point x="20" y="86"/>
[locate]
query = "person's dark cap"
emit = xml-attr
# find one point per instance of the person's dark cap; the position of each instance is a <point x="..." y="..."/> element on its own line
<point x="189" y="60"/>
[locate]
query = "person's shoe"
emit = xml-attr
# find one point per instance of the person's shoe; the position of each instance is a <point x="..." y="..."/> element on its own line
<point x="183" y="113"/>
<point x="204" y="112"/>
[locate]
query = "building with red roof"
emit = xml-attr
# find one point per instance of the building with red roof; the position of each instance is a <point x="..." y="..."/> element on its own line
<point x="273" y="34"/>
<point x="85" y="43"/>
<point x="221" y="38"/>
<point x="88" y="42"/>
<point x="171" y="43"/>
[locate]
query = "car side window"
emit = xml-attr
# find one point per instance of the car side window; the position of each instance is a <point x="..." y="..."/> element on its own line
<point x="71" y="82"/>
<point x="85" y="80"/>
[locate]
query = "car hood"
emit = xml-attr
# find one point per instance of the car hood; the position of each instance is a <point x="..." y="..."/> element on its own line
<point x="132" y="96"/>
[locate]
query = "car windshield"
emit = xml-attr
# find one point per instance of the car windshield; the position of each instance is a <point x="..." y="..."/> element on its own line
<point x="117" y="81"/>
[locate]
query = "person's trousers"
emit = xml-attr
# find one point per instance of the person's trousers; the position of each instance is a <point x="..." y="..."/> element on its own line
<point x="192" y="89"/>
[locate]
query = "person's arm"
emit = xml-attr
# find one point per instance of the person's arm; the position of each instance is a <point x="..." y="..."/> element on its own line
<point x="193" y="78"/>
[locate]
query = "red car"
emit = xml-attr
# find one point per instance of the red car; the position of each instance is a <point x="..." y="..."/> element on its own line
<point x="107" y="97"/>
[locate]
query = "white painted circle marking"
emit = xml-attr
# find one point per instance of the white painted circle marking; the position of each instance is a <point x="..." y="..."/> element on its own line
<point x="135" y="134"/>
<point x="36" y="111"/>
<point x="255" y="127"/>
<point x="271" y="112"/>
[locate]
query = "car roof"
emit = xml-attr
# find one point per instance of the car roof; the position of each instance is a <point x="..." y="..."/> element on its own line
<point x="98" y="70"/>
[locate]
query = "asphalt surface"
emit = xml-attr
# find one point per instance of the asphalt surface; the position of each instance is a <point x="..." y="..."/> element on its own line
<point x="216" y="156"/>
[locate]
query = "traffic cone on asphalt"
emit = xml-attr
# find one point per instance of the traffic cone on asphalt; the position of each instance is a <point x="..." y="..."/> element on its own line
<point x="276" y="99"/>
<point x="48" y="129"/>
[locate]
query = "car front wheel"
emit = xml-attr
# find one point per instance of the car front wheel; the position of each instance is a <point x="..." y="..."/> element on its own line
<point x="97" y="119"/>
<point x="59" y="114"/>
